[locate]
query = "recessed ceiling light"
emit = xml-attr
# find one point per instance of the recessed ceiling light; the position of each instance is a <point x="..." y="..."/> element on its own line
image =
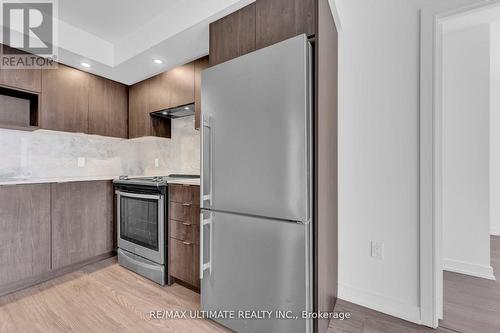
<point x="85" y="64"/>
<point x="158" y="61"/>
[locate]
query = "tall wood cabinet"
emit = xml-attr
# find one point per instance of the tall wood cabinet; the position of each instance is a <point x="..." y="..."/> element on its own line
<point x="263" y="23"/>
<point x="233" y="35"/>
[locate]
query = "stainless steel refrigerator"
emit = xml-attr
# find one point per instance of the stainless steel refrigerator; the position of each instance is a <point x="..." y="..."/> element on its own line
<point x="256" y="188"/>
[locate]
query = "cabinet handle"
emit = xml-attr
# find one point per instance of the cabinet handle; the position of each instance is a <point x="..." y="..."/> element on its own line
<point x="187" y="204"/>
<point x="186" y="243"/>
<point x="188" y="224"/>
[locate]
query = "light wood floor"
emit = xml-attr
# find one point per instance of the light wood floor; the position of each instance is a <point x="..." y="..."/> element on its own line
<point x="105" y="297"/>
<point x="472" y="305"/>
<point x="102" y="297"/>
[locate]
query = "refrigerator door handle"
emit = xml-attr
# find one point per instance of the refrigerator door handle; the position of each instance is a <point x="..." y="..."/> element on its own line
<point x="206" y="125"/>
<point x="208" y="265"/>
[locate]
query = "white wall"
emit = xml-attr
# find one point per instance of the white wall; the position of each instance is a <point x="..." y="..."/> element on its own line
<point x="379" y="54"/>
<point x="50" y="154"/>
<point x="466" y="108"/>
<point x="495" y="130"/>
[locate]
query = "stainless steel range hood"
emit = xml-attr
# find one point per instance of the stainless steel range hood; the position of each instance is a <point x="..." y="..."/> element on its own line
<point x="174" y="113"/>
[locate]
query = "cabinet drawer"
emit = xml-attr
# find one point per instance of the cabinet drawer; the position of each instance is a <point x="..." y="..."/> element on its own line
<point x="184" y="194"/>
<point x="185" y="261"/>
<point x="185" y="212"/>
<point x="185" y="231"/>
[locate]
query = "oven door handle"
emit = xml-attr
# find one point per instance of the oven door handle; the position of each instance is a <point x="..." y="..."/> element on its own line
<point x="139" y="196"/>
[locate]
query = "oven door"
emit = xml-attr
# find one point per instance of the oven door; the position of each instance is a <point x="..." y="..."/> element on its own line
<point x="141" y="224"/>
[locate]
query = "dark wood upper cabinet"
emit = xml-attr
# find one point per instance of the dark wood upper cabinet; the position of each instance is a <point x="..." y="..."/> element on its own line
<point x="199" y="66"/>
<point x="139" y="119"/>
<point x="65" y="99"/>
<point x="108" y="108"/>
<point x="277" y="20"/>
<point x="232" y="35"/>
<point x="172" y="88"/>
<point x="26" y="79"/>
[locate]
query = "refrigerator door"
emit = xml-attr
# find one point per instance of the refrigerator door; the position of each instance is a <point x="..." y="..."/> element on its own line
<point x="256" y="133"/>
<point x="256" y="264"/>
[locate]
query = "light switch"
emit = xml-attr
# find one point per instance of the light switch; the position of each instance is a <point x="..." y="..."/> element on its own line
<point x="157" y="162"/>
<point x="81" y="162"/>
<point x="377" y="250"/>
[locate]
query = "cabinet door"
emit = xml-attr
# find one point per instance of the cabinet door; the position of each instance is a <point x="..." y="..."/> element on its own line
<point x="27" y="79"/>
<point x="82" y="221"/>
<point x="108" y="108"/>
<point x="199" y="66"/>
<point x="172" y="88"/>
<point x="139" y="109"/>
<point x="25" y="232"/>
<point x="181" y="83"/>
<point x="232" y="35"/>
<point x="277" y="20"/>
<point x="65" y="99"/>
<point x="185" y="261"/>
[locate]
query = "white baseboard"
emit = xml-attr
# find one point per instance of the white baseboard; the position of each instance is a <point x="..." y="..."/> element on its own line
<point x="381" y="303"/>
<point x="481" y="271"/>
<point x="495" y="231"/>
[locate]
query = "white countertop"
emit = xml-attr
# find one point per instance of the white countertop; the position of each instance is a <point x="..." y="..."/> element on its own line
<point x="20" y="181"/>
<point x="185" y="181"/>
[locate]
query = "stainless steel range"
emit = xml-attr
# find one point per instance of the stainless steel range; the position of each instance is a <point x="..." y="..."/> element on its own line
<point x="141" y="212"/>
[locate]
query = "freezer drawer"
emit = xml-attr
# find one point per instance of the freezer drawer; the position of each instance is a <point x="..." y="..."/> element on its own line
<point x="256" y="133"/>
<point x="256" y="264"/>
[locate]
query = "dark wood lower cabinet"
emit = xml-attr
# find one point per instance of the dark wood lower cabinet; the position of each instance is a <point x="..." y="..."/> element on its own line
<point x="24" y="232"/>
<point x="184" y="234"/>
<point x="185" y="261"/>
<point x="82" y="221"/>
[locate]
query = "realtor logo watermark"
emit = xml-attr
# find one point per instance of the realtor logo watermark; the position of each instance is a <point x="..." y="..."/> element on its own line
<point x="28" y="33"/>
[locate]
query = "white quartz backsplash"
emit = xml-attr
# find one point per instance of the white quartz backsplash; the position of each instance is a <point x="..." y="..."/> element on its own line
<point x="50" y="154"/>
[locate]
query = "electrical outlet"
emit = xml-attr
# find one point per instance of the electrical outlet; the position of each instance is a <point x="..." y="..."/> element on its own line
<point x="81" y="162"/>
<point x="377" y="251"/>
<point x="157" y="162"/>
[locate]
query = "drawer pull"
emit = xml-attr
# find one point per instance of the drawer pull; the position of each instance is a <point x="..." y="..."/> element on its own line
<point x="186" y="243"/>
<point x="186" y="224"/>
<point x="187" y="204"/>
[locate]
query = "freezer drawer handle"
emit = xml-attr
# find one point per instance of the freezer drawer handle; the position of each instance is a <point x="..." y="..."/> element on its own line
<point x="208" y="265"/>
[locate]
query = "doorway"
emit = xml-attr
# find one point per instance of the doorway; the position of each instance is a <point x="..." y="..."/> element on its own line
<point x="460" y="168"/>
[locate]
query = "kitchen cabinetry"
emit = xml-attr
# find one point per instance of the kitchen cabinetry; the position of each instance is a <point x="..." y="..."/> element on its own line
<point x="82" y="221"/>
<point x="199" y="66"/>
<point x="233" y="35"/>
<point x="65" y="99"/>
<point x="184" y="234"/>
<point x="263" y="23"/>
<point x="108" y="108"/>
<point x="139" y="109"/>
<point x="277" y="20"/>
<point x="26" y="79"/>
<point x="25" y="232"/>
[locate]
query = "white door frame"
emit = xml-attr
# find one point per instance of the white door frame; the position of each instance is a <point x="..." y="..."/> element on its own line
<point x="431" y="271"/>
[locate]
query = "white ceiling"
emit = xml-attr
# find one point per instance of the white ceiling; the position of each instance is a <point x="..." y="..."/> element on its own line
<point x="119" y="38"/>
<point x="111" y="19"/>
